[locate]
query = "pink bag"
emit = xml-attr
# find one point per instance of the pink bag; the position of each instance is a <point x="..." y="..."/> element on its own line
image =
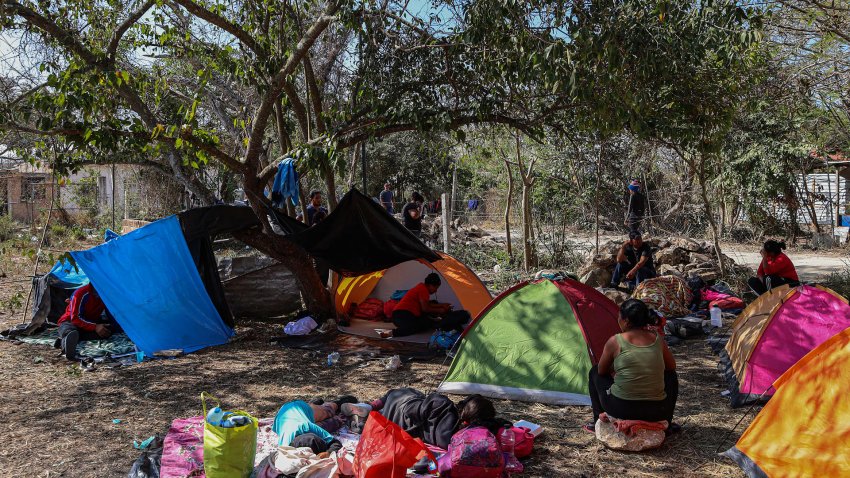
<point x="473" y="453"/>
<point x="523" y="441"/>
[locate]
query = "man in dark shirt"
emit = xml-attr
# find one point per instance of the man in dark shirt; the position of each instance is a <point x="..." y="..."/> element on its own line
<point x="636" y="206"/>
<point x="314" y="207"/>
<point x="634" y="262"/>
<point x="386" y="198"/>
<point x="412" y="213"/>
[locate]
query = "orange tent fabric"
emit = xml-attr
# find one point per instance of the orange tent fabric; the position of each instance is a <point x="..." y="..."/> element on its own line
<point x="461" y="286"/>
<point x="805" y="428"/>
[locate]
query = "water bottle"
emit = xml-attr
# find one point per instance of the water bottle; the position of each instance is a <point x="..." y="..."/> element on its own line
<point x="507" y="439"/>
<point x="716" y="318"/>
<point x="333" y="358"/>
<point x="214" y="416"/>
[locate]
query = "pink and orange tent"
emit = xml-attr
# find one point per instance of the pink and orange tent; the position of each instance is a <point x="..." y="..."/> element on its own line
<point x="805" y="428"/>
<point x="775" y="331"/>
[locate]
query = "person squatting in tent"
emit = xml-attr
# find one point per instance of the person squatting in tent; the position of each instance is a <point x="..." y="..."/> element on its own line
<point x="775" y="269"/>
<point x="634" y="262"/>
<point x="636" y="375"/>
<point x="85" y="318"/>
<point x="416" y="312"/>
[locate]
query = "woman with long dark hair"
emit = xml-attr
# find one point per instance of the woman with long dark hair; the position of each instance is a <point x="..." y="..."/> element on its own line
<point x="776" y="269"/>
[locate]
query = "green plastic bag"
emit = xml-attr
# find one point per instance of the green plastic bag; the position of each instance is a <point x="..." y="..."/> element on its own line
<point x="228" y="452"/>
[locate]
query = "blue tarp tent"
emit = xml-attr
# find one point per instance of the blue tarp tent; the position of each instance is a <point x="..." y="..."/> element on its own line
<point x="149" y="282"/>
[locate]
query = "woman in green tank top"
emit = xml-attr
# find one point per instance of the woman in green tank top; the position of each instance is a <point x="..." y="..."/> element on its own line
<point x="636" y="375"/>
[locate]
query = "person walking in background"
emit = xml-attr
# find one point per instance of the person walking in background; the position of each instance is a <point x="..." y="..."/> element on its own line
<point x="412" y="213"/>
<point x="636" y="206"/>
<point x="776" y="269"/>
<point x="386" y="198"/>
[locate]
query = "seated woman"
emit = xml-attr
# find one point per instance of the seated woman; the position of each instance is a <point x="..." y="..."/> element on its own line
<point x="776" y="269"/>
<point x="298" y="425"/>
<point x="636" y="376"/>
<point x="414" y="311"/>
<point x="433" y="417"/>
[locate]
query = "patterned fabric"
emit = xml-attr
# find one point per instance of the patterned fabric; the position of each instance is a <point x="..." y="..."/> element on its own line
<point x="117" y="344"/>
<point x="183" y="447"/>
<point x="669" y="295"/>
<point x="473" y="453"/>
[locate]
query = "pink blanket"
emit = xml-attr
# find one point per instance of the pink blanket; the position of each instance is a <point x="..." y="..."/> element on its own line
<point x="183" y="447"/>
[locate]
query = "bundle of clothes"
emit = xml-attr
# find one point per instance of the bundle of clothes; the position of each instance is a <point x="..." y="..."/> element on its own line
<point x="703" y="299"/>
<point x="404" y="429"/>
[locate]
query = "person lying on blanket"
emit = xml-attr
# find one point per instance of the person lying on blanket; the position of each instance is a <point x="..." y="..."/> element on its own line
<point x="414" y="311"/>
<point x="301" y="424"/>
<point x="85" y="318"/>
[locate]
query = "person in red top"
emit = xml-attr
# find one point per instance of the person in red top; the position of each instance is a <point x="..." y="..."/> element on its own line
<point x="776" y="269"/>
<point x="415" y="310"/>
<point x="85" y="318"/>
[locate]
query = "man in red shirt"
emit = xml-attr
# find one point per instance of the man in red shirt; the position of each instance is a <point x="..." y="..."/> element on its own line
<point x="776" y="269"/>
<point x="414" y="312"/>
<point x="85" y="318"/>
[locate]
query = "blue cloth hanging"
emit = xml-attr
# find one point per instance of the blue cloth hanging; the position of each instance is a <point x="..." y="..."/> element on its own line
<point x="285" y="184"/>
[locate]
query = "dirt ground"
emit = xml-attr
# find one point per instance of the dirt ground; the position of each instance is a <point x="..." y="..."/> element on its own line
<point x="59" y="421"/>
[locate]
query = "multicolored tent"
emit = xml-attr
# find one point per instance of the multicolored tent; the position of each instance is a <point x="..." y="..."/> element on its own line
<point x="535" y="342"/>
<point x="763" y="344"/>
<point x="805" y="428"/>
<point x="461" y="287"/>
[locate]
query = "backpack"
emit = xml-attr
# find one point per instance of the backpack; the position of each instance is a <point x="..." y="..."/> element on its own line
<point x="473" y="453"/>
<point x="370" y="309"/>
<point x="443" y="339"/>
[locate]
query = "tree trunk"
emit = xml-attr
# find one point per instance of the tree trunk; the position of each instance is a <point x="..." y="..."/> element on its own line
<point x="810" y="203"/>
<point x="352" y="170"/>
<point x="316" y="297"/>
<point x="508" y="242"/>
<point x="330" y="184"/>
<point x="596" y="195"/>
<point x="709" y="214"/>
<point x="527" y="238"/>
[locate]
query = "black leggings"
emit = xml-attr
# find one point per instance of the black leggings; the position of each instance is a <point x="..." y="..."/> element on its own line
<point x="408" y="324"/>
<point x="315" y="443"/>
<point x="762" y="285"/>
<point x="647" y="410"/>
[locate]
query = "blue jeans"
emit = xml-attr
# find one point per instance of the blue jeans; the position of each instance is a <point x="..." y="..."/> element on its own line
<point x="623" y="268"/>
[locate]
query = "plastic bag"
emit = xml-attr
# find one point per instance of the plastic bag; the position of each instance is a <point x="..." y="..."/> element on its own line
<point x="229" y="452"/>
<point x="385" y="450"/>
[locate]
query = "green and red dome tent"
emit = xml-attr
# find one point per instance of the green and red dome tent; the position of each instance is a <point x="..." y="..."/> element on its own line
<point x="535" y="342"/>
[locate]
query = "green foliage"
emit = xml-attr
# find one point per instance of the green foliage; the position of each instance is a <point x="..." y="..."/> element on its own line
<point x="8" y="228"/>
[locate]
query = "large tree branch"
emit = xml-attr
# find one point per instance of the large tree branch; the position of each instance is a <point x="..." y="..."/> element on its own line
<point x="119" y="32"/>
<point x="298" y="108"/>
<point x="261" y="117"/>
<point x="315" y="95"/>
<point x="244" y="37"/>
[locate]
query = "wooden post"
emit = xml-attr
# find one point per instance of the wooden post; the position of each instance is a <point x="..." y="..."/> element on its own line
<point x="446" y="222"/>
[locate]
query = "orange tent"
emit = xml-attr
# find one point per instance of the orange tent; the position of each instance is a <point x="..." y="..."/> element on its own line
<point x="461" y="287"/>
<point x="805" y="428"/>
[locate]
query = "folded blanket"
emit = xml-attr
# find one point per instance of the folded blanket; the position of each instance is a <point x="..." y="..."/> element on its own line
<point x="630" y="427"/>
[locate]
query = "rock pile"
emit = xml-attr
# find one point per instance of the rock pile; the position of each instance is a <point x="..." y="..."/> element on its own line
<point x="678" y="256"/>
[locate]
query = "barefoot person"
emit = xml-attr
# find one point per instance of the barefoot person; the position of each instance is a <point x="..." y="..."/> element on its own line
<point x="636" y="376"/>
<point x="776" y="269"/>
